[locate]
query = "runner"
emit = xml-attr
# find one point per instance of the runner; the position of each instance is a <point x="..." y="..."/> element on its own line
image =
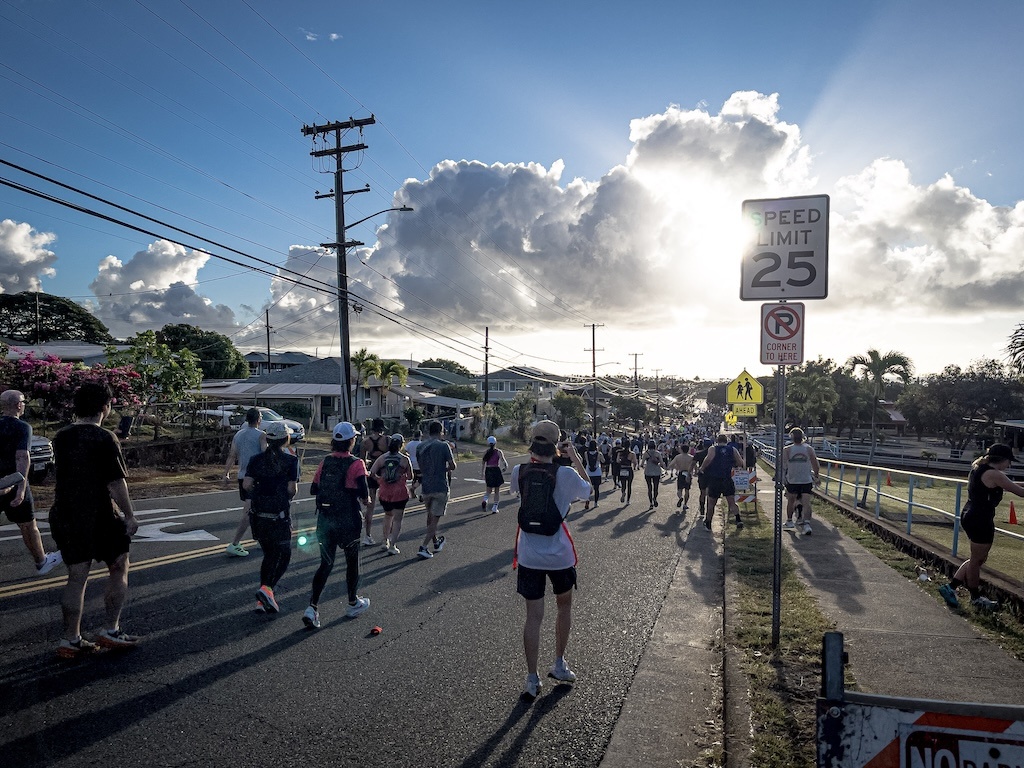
<point x="247" y="442"/>
<point x="627" y="462"/>
<point x="800" y="469"/>
<point x="985" y="486"/>
<point x="339" y="485"/>
<point x="491" y="472"/>
<point x="718" y="466"/>
<point x="615" y="462"/>
<point x="410" y="450"/>
<point x="271" y="483"/>
<point x="540" y="558"/>
<point x="437" y="462"/>
<point x="702" y="479"/>
<point x="373" y="446"/>
<point x="592" y="463"/>
<point x="682" y="463"/>
<point x="652" y="473"/>
<point x="393" y="471"/>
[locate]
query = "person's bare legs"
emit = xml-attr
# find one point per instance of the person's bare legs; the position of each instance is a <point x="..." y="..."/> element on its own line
<point x="33" y="541"/>
<point x="531" y="633"/>
<point x="117" y="590"/>
<point x="563" y="624"/>
<point x="72" y="601"/>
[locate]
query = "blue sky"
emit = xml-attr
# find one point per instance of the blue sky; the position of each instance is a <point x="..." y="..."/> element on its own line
<point x="569" y="163"/>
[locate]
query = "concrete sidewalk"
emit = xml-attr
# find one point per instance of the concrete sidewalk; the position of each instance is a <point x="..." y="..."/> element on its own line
<point x="901" y="638"/>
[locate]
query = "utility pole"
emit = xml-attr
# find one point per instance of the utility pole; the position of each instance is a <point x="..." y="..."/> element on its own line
<point x="593" y="367"/>
<point x="657" y="397"/>
<point x="636" y="385"/>
<point x="487" y="394"/>
<point x="341" y="245"/>
<point x="38" y="334"/>
<point x="268" y="340"/>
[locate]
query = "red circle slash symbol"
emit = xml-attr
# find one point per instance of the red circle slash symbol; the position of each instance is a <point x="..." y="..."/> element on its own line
<point x="782" y="323"/>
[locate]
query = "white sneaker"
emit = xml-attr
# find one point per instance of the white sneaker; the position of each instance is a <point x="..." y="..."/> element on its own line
<point x="393" y="550"/>
<point x="789" y="525"/>
<point x="560" y="671"/>
<point x="385" y="546"/>
<point x="311" y="617"/>
<point x="51" y="561"/>
<point x="424" y="553"/>
<point x="533" y="686"/>
<point x="494" y="509"/>
<point x="362" y="603"/>
<point x="806" y="529"/>
<point x="368" y="541"/>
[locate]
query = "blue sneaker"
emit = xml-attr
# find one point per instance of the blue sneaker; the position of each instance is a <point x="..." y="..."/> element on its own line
<point x="949" y="595"/>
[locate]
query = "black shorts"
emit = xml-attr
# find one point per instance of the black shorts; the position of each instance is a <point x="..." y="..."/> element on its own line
<point x="391" y="506"/>
<point x="702" y="481"/>
<point x="493" y="477"/>
<point x="373" y="483"/>
<point x="799" y="488"/>
<point x="721" y="486"/>
<point x="532" y="583"/>
<point x="23" y="513"/>
<point x="79" y="541"/>
<point x="241" y="491"/>
<point x="980" y="528"/>
<point x="683" y="481"/>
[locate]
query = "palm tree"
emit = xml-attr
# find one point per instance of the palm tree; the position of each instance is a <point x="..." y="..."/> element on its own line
<point x="366" y="364"/>
<point x="387" y="372"/>
<point x="1015" y="349"/>
<point x="876" y="368"/>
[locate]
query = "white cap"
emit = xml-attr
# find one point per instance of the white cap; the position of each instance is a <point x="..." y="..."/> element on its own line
<point x="276" y="430"/>
<point x="344" y="431"/>
<point x="492" y="440"/>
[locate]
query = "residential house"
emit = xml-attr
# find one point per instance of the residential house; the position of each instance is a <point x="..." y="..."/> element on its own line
<point x="279" y="361"/>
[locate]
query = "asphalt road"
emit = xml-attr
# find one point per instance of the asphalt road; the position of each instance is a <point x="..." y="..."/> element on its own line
<point x="216" y="684"/>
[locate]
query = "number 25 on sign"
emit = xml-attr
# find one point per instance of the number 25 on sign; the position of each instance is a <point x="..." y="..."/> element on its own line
<point x="785" y="254"/>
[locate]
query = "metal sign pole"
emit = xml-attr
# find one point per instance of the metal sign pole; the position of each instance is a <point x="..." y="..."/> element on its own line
<point x="780" y="488"/>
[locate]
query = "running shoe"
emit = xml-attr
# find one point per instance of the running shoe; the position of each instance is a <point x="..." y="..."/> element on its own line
<point x="116" y="638"/>
<point x="707" y="523"/>
<point x="74" y="649"/>
<point x="360" y="605"/>
<point x="266" y="596"/>
<point x="533" y="686"/>
<point x="424" y="553"/>
<point x="368" y="541"/>
<point x="789" y="525"/>
<point x="655" y="502"/>
<point x="622" y="499"/>
<point x="494" y="509"/>
<point x="259" y="607"/>
<point x="236" y="550"/>
<point x="50" y="561"/>
<point x="438" y="543"/>
<point x="560" y="671"/>
<point x="805" y="529"/>
<point x="686" y="507"/>
<point x="679" y="503"/>
<point x="949" y="595"/>
<point x="738" y="520"/>
<point x="311" y="618"/>
<point x="393" y="550"/>
<point x="483" y="505"/>
<point x="385" y="546"/>
<point x="984" y="603"/>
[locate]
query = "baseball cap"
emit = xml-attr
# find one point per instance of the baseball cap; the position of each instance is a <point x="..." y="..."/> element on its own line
<point x="1000" y="451"/>
<point x="545" y="431"/>
<point x="398" y="436"/>
<point x="276" y="430"/>
<point x="492" y="440"/>
<point x="344" y="431"/>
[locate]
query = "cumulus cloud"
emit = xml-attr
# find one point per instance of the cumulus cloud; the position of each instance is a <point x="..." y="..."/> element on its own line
<point x="152" y="289"/>
<point x="24" y="257"/>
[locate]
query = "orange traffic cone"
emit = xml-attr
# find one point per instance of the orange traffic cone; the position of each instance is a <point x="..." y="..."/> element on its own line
<point x="888" y="479"/>
<point x="1013" y="515"/>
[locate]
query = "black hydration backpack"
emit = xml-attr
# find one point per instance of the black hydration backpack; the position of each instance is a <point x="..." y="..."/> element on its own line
<point x="391" y="470"/>
<point x="332" y="498"/>
<point x="538" y="512"/>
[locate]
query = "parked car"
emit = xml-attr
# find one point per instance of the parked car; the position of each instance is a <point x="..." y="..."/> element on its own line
<point x="233" y="417"/>
<point x="41" y="457"/>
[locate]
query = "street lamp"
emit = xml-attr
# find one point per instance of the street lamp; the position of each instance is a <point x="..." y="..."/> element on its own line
<point x="342" y="246"/>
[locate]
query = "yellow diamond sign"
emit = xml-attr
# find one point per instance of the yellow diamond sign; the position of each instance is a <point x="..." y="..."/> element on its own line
<point x="745" y="389"/>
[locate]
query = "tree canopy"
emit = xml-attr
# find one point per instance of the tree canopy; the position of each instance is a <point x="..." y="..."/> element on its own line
<point x="449" y="365"/>
<point x="218" y="357"/>
<point x="163" y="375"/>
<point x="459" y="392"/>
<point x="570" y="407"/>
<point x="58" y="319"/>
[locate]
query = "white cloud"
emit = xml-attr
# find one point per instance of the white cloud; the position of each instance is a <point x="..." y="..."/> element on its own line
<point x="334" y="36"/>
<point x="153" y="289"/>
<point x="24" y="257"/>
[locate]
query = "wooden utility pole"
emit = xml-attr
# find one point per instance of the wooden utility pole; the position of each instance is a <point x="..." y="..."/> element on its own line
<point x="341" y="245"/>
<point x="593" y="368"/>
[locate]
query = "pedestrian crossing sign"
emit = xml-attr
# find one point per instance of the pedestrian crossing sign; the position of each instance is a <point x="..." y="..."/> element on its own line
<point x="745" y="389"/>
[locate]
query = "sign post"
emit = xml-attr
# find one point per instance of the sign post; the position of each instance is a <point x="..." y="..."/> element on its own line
<point x="785" y="258"/>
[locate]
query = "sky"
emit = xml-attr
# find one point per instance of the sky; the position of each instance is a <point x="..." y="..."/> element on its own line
<point x="576" y="173"/>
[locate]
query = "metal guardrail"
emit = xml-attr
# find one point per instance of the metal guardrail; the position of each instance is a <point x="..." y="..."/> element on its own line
<point x="843" y="478"/>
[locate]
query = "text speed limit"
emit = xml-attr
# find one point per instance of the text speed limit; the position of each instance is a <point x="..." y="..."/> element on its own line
<point x="785" y="255"/>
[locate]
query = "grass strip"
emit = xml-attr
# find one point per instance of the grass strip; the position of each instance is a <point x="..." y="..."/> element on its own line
<point x="783" y="682"/>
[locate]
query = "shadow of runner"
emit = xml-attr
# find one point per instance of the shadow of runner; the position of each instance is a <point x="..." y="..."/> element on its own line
<point x="540" y="707"/>
<point x="64" y="739"/>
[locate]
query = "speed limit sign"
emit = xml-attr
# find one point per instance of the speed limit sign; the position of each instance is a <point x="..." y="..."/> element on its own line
<point x="785" y="256"/>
